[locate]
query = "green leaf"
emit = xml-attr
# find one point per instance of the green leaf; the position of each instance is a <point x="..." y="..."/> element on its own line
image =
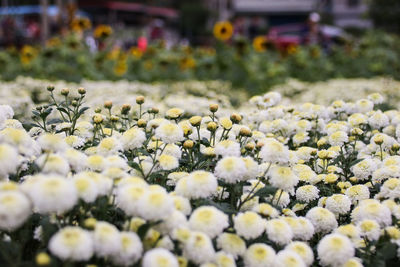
<point x="82" y="110"/>
<point x="266" y="191"/>
<point x="54" y="121"/>
<point x="142" y="231"/>
<point x="134" y="165"/>
<point x="389" y="251"/>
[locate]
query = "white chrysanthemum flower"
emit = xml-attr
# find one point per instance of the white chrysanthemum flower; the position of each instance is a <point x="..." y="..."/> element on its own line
<point x="182" y="204"/>
<point x="364" y="169"/>
<point x="249" y="224"/>
<point x="289" y="258"/>
<point x="199" y="248"/>
<point x="349" y="230"/>
<point x="168" y="162"/>
<point x="357" y="119"/>
<point x="387" y="172"/>
<point x="19" y="138"/>
<point x="199" y="184"/>
<point x="227" y="148"/>
<point x="252" y="168"/>
<point x="106" y="239"/>
<point x="51" y="142"/>
<point x="232" y="244"/>
<point x="390" y="189"/>
<point x="159" y="257"/>
<point x="128" y="196"/>
<point x="300" y="138"/>
<point x="364" y="105"/>
<point x="6" y="112"/>
<point x="378" y="120"/>
<point x="133" y="138"/>
<point x="97" y="163"/>
<point x="72" y="243"/>
<point x="53" y="194"/>
<point x="260" y="255"/>
<point x="338" y="204"/>
<point x="281" y="198"/>
<point x="283" y="178"/>
<point x="369" y="229"/>
<point x="303" y="250"/>
<point x="376" y="98"/>
<point x="8" y="160"/>
<point x="74" y="141"/>
<point x="305" y="153"/>
<point x="322" y="219"/>
<point x="103" y="183"/>
<point x="353" y="262"/>
<point x="109" y="146"/>
<point x="279" y="231"/>
<point x="115" y="161"/>
<point x="15" y="208"/>
<point x="266" y="210"/>
<point x="338" y="138"/>
<point x="274" y="151"/>
<point x="307" y="193"/>
<point x="176" y="220"/>
<point x="130" y="249"/>
<point x="169" y="133"/>
<point x="372" y="209"/>
<point x="357" y="193"/>
<point x="155" y="204"/>
<point x="86" y="188"/>
<point x="172" y="150"/>
<point x="334" y="250"/>
<point x="224" y="259"/>
<point x="209" y="220"/>
<point x="231" y="169"/>
<point x="53" y="163"/>
<point x="76" y="159"/>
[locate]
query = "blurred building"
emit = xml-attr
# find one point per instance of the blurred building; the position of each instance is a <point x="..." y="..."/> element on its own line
<point x="347" y="13"/>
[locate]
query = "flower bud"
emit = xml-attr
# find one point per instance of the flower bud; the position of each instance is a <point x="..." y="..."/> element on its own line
<point x="378" y="140"/>
<point x="249" y="146"/>
<point x="108" y="104"/>
<point x="188" y="144"/>
<point x="212" y="126"/>
<point x="97" y="110"/>
<point x="125" y="109"/>
<point x="50" y="88"/>
<point x="97" y="118"/>
<point x="154" y="110"/>
<point x="42" y="259"/>
<point x="90" y="223"/>
<point x="140" y="100"/>
<point x="65" y="91"/>
<point x="214" y="108"/>
<point x="114" y="118"/>
<point x="74" y="103"/>
<point x="195" y="121"/>
<point x="245" y="132"/>
<point x="81" y="91"/>
<point x="236" y="118"/>
<point x="142" y="123"/>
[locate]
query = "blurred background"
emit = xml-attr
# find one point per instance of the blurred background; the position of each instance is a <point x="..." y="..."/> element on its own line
<point x="252" y="43"/>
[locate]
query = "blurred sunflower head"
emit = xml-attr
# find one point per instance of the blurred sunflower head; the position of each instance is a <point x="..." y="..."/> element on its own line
<point x="80" y="24"/>
<point x="28" y="53"/>
<point x="135" y="52"/>
<point x="102" y="31"/>
<point x="260" y="43"/>
<point x="223" y="30"/>
<point x="187" y="63"/>
<point x="120" y="67"/>
<point x="53" y="42"/>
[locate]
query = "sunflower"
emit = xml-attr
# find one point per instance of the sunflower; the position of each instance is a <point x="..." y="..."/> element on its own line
<point x="260" y="43"/>
<point x="80" y="24"/>
<point x="223" y="30"/>
<point x="102" y="31"/>
<point x="120" y="67"/>
<point x="28" y="53"/>
<point x="292" y="49"/>
<point x="187" y="63"/>
<point x="135" y="52"/>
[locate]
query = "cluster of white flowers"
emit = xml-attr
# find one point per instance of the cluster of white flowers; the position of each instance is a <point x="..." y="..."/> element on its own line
<point x="269" y="185"/>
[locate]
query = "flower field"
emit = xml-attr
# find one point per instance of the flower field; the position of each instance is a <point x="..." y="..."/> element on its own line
<point x="194" y="174"/>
